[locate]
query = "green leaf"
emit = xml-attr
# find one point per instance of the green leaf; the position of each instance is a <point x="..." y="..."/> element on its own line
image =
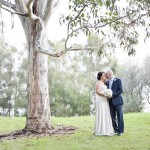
<point x="67" y="18"/>
<point x="82" y="15"/>
<point x="100" y="3"/>
<point x="98" y="31"/>
<point x="102" y="32"/>
<point x="69" y="6"/>
<point x="108" y="3"/>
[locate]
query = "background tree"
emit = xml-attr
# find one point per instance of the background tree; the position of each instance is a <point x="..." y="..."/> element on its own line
<point x="20" y="106"/>
<point x="71" y="92"/>
<point x="8" y="79"/>
<point x="133" y="84"/>
<point x="146" y="73"/>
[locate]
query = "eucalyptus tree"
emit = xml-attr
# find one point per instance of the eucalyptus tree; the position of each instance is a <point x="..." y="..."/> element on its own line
<point x="34" y="16"/>
<point x="116" y="21"/>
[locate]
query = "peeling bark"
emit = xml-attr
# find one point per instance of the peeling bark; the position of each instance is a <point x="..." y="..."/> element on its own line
<point x="38" y="114"/>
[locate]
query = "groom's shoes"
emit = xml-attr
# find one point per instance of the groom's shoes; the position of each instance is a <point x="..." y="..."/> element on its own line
<point x="119" y="134"/>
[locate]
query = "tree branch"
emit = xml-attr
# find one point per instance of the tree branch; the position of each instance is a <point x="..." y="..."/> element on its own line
<point x="21" y="6"/>
<point x="27" y="8"/>
<point x="49" y="8"/>
<point x="13" y="12"/>
<point x="65" y="51"/>
<point x="85" y="5"/>
<point x="140" y="16"/>
<point x="101" y="26"/>
<point x="30" y="11"/>
<point x="108" y="23"/>
<point x="56" y="3"/>
<point x="12" y="6"/>
<point x="68" y="26"/>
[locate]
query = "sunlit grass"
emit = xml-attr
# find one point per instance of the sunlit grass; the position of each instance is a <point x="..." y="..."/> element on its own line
<point x="136" y="136"/>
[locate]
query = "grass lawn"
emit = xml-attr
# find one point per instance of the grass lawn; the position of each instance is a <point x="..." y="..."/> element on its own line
<point x="136" y="136"/>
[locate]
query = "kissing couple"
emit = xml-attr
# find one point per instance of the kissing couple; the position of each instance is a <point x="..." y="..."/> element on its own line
<point x="108" y="105"/>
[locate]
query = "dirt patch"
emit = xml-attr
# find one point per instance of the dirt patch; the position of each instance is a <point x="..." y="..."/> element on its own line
<point x="58" y="130"/>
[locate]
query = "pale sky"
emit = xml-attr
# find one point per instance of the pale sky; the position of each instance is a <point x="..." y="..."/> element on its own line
<point x="56" y="32"/>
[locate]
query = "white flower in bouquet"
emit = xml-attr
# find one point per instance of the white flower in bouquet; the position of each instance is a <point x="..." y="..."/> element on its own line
<point x="108" y="92"/>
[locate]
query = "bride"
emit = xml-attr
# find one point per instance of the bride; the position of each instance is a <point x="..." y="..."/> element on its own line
<point x="103" y="122"/>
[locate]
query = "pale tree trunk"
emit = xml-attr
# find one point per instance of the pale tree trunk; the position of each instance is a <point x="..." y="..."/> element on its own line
<point x="38" y="113"/>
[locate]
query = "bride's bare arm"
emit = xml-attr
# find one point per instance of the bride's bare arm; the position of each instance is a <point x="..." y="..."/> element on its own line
<point x="98" y="91"/>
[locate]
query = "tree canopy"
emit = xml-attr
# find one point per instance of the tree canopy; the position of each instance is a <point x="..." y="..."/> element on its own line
<point x="116" y="22"/>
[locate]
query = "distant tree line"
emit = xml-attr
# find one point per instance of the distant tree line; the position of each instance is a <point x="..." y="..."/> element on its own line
<point x="72" y="79"/>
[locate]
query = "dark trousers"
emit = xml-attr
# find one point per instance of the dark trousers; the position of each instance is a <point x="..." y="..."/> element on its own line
<point x="118" y="123"/>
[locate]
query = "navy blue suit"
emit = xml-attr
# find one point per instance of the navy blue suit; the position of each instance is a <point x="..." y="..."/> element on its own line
<point x="115" y="104"/>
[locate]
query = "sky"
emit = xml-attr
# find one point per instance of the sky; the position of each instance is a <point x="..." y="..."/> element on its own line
<point x="56" y="32"/>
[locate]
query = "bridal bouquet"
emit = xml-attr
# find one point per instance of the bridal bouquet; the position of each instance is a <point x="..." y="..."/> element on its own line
<point x="108" y="92"/>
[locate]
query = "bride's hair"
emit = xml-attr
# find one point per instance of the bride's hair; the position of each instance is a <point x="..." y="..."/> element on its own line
<point x="99" y="75"/>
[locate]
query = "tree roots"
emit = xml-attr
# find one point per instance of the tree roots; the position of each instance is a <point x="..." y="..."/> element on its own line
<point x="58" y="130"/>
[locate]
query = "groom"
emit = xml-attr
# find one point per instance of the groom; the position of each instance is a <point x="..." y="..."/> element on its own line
<point x="116" y="102"/>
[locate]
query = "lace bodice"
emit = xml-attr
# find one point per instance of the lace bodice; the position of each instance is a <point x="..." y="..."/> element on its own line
<point x="103" y="87"/>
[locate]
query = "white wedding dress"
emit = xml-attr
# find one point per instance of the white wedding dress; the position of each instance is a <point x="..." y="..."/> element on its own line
<point x="103" y="122"/>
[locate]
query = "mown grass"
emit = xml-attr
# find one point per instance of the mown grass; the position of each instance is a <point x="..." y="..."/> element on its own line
<point x="136" y="136"/>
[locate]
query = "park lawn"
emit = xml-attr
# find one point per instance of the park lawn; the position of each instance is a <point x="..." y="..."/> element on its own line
<point x="136" y="136"/>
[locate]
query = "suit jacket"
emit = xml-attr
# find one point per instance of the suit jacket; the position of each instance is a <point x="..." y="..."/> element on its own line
<point x="117" y="91"/>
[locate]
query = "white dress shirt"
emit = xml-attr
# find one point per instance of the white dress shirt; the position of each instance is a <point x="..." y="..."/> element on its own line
<point x="110" y="83"/>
